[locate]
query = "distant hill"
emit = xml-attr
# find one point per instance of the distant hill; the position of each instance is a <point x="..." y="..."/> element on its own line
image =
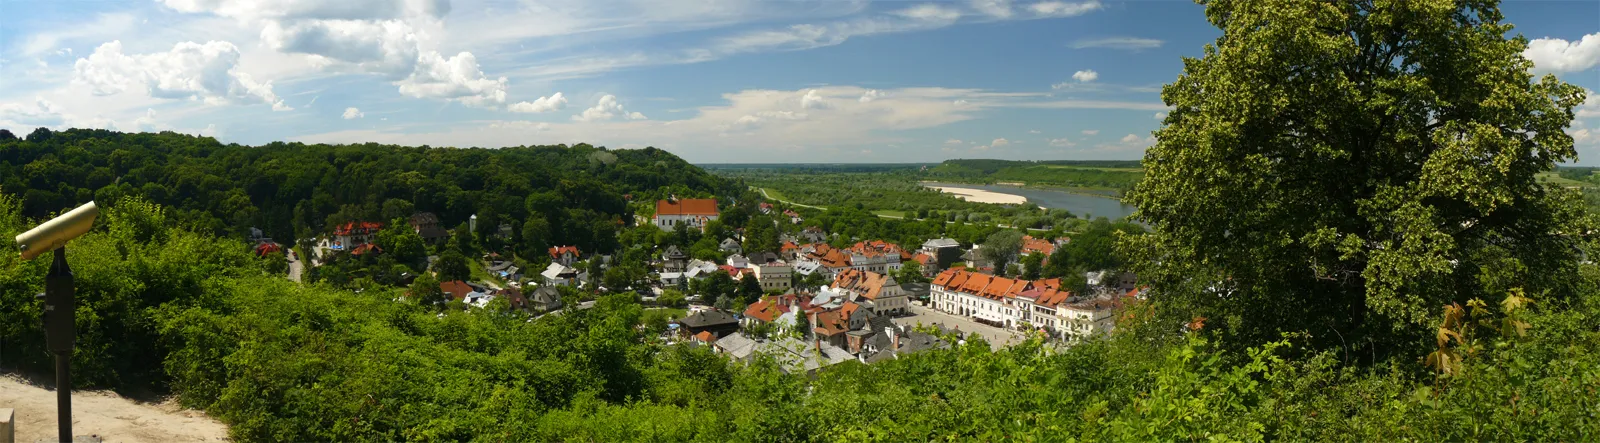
<point x="295" y="190"/>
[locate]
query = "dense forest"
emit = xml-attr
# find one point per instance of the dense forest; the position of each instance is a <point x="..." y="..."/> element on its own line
<point x="296" y="191"/>
<point x="1353" y="237"/>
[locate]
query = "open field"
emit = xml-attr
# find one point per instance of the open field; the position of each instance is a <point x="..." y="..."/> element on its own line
<point x="1092" y="168"/>
<point x="1554" y="178"/>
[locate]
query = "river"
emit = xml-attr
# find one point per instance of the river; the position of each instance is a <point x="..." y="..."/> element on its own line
<point x="1080" y="205"/>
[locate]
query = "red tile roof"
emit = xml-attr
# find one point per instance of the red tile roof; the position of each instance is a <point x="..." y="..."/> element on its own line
<point x="267" y="248"/>
<point x="358" y="228"/>
<point x="831" y="322"/>
<point x="1031" y="245"/>
<point x="767" y="310"/>
<point x="868" y="284"/>
<point x="706" y="337"/>
<point x="456" y="290"/>
<point x="690" y="206"/>
<point x="366" y="249"/>
<point x="556" y="251"/>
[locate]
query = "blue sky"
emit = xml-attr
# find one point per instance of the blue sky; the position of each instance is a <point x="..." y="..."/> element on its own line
<point x="711" y="80"/>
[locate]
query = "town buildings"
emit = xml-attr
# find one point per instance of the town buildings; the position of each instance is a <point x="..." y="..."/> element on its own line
<point x="1023" y="304"/>
<point x="880" y="290"/>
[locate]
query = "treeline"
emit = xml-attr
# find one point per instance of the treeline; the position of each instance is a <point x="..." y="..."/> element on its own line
<point x="572" y="194"/>
<point x="277" y="361"/>
<point x="897" y="194"/>
<point x="1119" y="176"/>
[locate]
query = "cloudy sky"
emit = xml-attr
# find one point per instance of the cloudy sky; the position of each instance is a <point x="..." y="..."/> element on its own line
<point x="711" y="80"/>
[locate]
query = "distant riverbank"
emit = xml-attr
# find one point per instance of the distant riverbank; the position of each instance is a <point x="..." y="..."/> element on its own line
<point x="1081" y="204"/>
<point x="980" y="196"/>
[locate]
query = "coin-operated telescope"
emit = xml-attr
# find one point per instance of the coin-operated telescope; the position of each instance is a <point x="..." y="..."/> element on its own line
<point x="60" y="307"/>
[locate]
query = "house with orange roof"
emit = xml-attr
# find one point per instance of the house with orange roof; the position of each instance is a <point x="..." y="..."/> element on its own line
<point x="880" y="289"/>
<point x="564" y="255"/>
<point x="1017" y="303"/>
<point x="1032" y="245"/>
<point x="350" y="235"/>
<point x="692" y="212"/>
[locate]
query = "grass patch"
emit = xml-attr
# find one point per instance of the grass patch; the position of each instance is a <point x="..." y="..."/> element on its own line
<point x="1092" y="168"/>
<point x="891" y="213"/>
<point x="1555" y="179"/>
<point x="775" y="194"/>
<point x="479" y="273"/>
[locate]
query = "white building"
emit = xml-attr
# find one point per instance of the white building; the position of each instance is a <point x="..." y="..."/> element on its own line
<point x="884" y="293"/>
<point x="773" y="275"/>
<point x="691" y="212"/>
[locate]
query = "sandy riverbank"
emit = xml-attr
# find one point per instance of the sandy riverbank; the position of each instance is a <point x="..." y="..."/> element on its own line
<point x="982" y="196"/>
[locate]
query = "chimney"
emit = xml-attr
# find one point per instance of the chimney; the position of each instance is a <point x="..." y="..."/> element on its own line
<point x="894" y="336"/>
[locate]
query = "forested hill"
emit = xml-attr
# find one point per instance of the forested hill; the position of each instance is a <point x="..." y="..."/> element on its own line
<point x="1118" y="175"/>
<point x="295" y="190"/>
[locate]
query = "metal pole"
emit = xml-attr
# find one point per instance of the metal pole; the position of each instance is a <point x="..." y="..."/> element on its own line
<point x="64" y="395"/>
<point x="60" y="333"/>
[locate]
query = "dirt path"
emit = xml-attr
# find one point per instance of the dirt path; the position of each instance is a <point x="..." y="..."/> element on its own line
<point x="103" y="413"/>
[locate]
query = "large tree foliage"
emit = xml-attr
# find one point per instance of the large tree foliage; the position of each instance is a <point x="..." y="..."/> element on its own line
<point x="1350" y="168"/>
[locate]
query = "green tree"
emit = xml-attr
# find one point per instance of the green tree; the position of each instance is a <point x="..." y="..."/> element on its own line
<point x="452" y="266"/>
<point x="749" y="289"/>
<point x="910" y="272"/>
<point x="402" y="244"/>
<point x="1349" y="169"/>
<point x="425" y="290"/>
<point x="1032" y="266"/>
<point x="1002" y="247"/>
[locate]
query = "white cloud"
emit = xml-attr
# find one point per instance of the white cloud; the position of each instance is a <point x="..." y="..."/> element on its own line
<point x="997" y="143"/>
<point x="794" y="37"/>
<point x="251" y="10"/>
<point x="110" y="24"/>
<point x="1590" y="106"/>
<point x="929" y="11"/>
<point x="959" y="102"/>
<point x="1583" y="136"/>
<point x="1087" y="75"/>
<point x="952" y="142"/>
<point x="1125" y="43"/>
<point x="606" y="109"/>
<point x="1091" y="132"/>
<point x="870" y="96"/>
<point x="812" y="100"/>
<point x="1062" y="143"/>
<point x="40" y="113"/>
<point x="994" y="8"/>
<point x="1033" y="131"/>
<point x="146" y="122"/>
<point x="456" y="78"/>
<point x="205" y="72"/>
<point x="1063" y="9"/>
<point x="387" y="47"/>
<point x="353" y="113"/>
<point x="1161" y="116"/>
<point x="1130" y="138"/>
<point x="542" y="104"/>
<point x="1558" y="55"/>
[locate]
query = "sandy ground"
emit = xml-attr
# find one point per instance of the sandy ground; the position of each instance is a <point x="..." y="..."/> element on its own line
<point x="103" y="413"/>
<point x="982" y="196"/>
